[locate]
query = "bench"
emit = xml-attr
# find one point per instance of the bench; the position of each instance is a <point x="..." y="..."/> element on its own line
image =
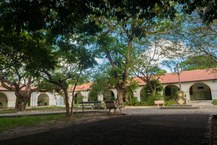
<point x="159" y="102"/>
<point x="112" y="105"/>
<point x="91" y="105"/>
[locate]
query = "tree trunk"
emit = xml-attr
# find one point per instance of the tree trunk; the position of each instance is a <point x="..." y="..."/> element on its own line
<point x="22" y="99"/>
<point x="68" y="115"/>
<point x="21" y="103"/>
<point x="153" y="90"/>
<point x="120" y="95"/>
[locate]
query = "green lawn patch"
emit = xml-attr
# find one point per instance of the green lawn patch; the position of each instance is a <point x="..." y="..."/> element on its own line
<point x="12" y="122"/>
<point x="214" y="102"/>
<point x="43" y="109"/>
<point x="48" y="108"/>
<point x="5" y="111"/>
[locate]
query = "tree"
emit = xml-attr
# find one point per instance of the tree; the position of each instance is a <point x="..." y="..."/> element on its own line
<point x="199" y="38"/>
<point x="20" y="67"/>
<point x="72" y="59"/>
<point x="148" y="91"/>
<point x="205" y="8"/>
<point x="198" y="62"/>
<point x="29" y="29"/>
<point x="120" y="32"/>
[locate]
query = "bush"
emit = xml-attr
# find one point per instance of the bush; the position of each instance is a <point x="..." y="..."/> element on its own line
<point x="173" y="97"/>
<point x="170" y="102"/>
<point x="214" y="102"/>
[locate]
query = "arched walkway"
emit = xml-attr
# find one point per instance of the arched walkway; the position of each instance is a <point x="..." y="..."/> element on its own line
<point x="200" y="91"/>
<point x="3" y="100"/>
<point x="108" y="95"/>
<point x="170" y="92"/>
<point x="78" y="98"/>
<point x="43" y="100"/>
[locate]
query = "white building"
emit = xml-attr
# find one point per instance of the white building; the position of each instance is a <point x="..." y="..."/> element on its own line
<point x="8" y="99"/>
<point x="196" y="84"/>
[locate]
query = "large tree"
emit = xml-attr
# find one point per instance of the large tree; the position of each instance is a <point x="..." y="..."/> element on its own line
<point x="72" y="59"/>
<point x="131" y="21"/>
<point x="22" y="57"/>
<point x="125" y="20"/>
<point x="147" y="64"/>
<point x="28" y="31"/>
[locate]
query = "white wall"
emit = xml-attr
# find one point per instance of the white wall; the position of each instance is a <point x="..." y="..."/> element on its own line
<point x="57" y="100"/>
<point x="186" y="88"/>
<point x="11" y="98"/>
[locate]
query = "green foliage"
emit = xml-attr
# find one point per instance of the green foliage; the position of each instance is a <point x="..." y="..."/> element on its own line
<point x="154" y="84"/>
<point x="93" y="95"/>
<point x="214" y="102"/>
<point x="170" y="102"/>
<point x="11" y="122"/>
<point x="99" y="86"/>
<point x="198" y="62"/>
<point x="134" y="101"/>
<point x="130" y="89"/>
<point x="173" y="96"/>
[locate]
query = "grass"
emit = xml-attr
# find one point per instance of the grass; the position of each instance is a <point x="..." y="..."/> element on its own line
<point x="4" y="111"/>
<point x="214" y="102"/>
<point x="48" y="108"/>
<point x="12" y="122"/>
<point x="44" y="109"/>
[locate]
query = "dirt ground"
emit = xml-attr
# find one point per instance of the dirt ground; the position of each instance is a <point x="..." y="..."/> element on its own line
<point x="214" y="130"/>
<point x="52" y="125"/>
<point x="173" y="129"/>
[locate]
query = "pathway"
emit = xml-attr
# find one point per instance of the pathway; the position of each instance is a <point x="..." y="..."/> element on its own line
<point x="141" y="126"/>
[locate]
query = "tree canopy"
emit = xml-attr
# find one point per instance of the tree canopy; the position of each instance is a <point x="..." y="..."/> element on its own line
<point x="57" y="39"/>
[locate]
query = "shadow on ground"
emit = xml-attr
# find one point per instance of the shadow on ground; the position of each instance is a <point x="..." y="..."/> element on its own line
<point x="125" y="130"/>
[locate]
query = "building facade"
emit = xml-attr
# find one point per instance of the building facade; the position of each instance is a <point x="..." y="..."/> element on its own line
<point x="196" y="84"/>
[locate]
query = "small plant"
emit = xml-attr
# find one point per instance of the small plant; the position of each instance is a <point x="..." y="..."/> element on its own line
<point x="214" y="102"/>
<point x="170" y="102"/>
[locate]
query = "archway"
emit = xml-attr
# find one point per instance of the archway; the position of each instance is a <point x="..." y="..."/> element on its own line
<point x="78" y="97"/>
<point x="170" y="92"/>
<point x="108" y="95"/>
<point x="43" y="100"/>
<point x="3" y="100"/>
<point x="200" y="91"/>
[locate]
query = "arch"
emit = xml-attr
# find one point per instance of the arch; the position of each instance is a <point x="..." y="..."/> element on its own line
<point x="108" y="95"/>
<point x="170" y="92"/>
<point x="78" y="97"/>
<point x="200" y="91"/>
<point x="43" y="100"/>
<point x="3" y="100"/>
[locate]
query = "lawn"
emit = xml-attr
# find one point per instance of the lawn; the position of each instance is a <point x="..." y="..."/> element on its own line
<point x="43" y="109"/>
<point x="12" y="122"/>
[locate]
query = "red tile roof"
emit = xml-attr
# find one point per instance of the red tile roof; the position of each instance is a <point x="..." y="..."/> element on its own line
<point x="186" y="76"/>
<point x="86" y="86"/>
<point x="190" y="76"/>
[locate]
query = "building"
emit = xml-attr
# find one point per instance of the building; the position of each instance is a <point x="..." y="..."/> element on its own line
<point x="8" y="99"/>
<point x="197" y="85"/>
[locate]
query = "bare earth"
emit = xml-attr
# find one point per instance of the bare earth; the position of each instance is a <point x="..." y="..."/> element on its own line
<point x="141" y="126"/>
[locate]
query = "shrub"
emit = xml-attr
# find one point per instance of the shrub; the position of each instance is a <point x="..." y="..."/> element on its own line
<point x="174" y="95"/>
<point x="170" y="102"/>
<point x="214" y="102"/>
